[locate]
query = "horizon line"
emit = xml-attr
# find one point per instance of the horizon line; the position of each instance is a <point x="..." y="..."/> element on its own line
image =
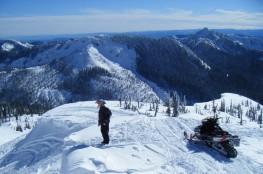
<point x="123" y="32"/>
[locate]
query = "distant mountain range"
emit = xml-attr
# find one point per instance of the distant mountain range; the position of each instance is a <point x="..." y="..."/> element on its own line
<point x="254" y="33"/>
<point x="199" y="64"/>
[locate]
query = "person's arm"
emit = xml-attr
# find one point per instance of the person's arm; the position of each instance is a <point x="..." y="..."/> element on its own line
<point x="110" y="112"/>
<point x="100" y="117"/>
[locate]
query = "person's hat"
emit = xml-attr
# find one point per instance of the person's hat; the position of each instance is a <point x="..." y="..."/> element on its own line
<point x="100" y="101"/>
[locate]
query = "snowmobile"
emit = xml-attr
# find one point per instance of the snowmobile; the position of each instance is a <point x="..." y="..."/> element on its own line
<point x="212" y="135"/>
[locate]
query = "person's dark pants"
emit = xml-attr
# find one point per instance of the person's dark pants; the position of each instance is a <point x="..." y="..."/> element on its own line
<point x="105" y="132"/>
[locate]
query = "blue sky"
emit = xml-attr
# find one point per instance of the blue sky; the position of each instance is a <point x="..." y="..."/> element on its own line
<point x="37" y="17"/>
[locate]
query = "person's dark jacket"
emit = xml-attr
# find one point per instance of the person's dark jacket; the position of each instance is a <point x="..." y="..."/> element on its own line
<point x="104" y="115"/>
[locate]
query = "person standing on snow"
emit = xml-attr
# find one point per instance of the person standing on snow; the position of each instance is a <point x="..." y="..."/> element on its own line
<point x="104" y="120"/>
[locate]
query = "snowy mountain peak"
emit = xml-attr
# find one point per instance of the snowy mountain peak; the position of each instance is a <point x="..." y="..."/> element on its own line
<point x="206" y="33"/>
<point x="7" y="46"/>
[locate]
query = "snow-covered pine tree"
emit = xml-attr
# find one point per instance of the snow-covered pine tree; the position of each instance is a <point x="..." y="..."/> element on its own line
<point x="125" y="104"/>
<point x="153" y="105"/>
<point x="156" y="107"/>
<point x="258" y="107"/>
<point x="240" y="114"/>
<point x="214" y="109"/>
<point x="168" y="111"/>
<point x="231" y="109"/>
<point x="167" y="103"/>
<point x="205" y="107"/>
<point x="8" y="110"/>
<point x="18" y="125"/>
<point x="183" y="105"/>
<point x="134" y="108"/>
<point x="246" y="103"/>
<point x="223" y="106"/>
<point x="239" y="111"/>
<point x="150" y="109"/>
<point x="175" y="105"/>
<point x="260" y="119"/>
<point x="4" y="113"/>
<point x="185" y="100"/>
<point x="254" y="113"/>
<point x="27" y="125"/>
<point x="130" y="102"/>
<point x="228" y="119"/>
<point x="120" y="101"/>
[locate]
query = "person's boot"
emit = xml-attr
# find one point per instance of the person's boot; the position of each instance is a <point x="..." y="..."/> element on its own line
<point x="105" y="142"/>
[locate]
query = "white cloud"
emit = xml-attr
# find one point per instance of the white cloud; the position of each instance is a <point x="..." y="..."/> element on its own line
<point x="95" y="20"/>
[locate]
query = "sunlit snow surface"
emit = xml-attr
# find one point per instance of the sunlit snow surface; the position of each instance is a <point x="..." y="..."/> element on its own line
<point x="7" y="47"/>
<point x="66" y="140"/>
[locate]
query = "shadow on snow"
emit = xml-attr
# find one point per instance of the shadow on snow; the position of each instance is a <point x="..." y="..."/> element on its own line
<point x="200" y="148"/>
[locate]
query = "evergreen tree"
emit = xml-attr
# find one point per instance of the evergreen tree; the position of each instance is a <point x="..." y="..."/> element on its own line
<point x="258" y="107"/>
<point x="239" y="111"/>
<point x="183" y="105"/>
<point x="240" y="114"/>
<point x="27" y="125"/>
<point x="214" y="109"/>
<point x="231" y="111"/>
<point x="175" y="105"/>
<point x="223" y="106"/>
<point x="260" y="118"/>
<point x="168" y="111"/>
<point x="196" y="109"/>
<point x="246" y="103"/>
<point x="185" y="100"/>
<point x="120" y="101"/>
<point x="156" y="107"/>
<point x="150" y="109"/>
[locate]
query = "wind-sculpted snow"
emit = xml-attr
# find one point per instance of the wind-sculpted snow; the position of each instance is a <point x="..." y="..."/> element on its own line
<point x="46" y="139"/>
<point x="112" y="159"/>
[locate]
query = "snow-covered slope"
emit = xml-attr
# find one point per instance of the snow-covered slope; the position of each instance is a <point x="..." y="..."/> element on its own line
<point x="100" y="67"/>
<point x="79" y="54"/>
<point x="66" y="139"/>
<point x="11" y="44"/>
<point x="250" y="42"/>
<point x="231" y="105"/>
